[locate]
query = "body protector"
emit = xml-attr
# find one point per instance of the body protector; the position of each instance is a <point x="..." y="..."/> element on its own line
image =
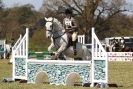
<point x="71" y="27"/>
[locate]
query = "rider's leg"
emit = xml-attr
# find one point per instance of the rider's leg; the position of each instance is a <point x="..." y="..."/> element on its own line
<point x="74" y="38"/>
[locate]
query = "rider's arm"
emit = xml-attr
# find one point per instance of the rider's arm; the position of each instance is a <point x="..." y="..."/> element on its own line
<point x="64" y="23"/>
<point x="74" y="23"/>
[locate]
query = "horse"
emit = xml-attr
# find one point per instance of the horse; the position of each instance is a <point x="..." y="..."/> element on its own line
<point x="59" y="40"/>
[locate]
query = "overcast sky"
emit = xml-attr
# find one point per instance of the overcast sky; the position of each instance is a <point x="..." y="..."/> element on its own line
<point x="10" y="3"/>
<point x="36" y="3"/>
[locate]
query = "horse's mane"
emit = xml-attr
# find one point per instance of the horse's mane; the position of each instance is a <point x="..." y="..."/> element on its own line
<point x="56" y="21"/>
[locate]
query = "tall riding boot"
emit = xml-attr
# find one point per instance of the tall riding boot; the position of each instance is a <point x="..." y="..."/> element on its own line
<point x="74" y="47"/>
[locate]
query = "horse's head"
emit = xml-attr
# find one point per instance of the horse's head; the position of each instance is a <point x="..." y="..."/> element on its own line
<point x="49" y="27"/>
<point x="53" y="27"/>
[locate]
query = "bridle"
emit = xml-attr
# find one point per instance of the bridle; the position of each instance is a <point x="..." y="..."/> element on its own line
<point x="53" y="31"/>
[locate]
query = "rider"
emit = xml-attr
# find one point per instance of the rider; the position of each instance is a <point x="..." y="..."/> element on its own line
<point x="70" y="25"/>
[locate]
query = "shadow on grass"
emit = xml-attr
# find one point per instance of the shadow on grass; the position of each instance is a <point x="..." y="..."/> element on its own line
<point x="97" y="85"/>
<point x="114" y="85"/>
<point x="8" y="80"/>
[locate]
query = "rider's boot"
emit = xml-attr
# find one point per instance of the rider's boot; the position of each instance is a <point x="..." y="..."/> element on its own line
<point x="74" y="47"/>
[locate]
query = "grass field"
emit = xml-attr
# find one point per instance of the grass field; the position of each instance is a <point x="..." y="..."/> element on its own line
<point x="120" y="74"/>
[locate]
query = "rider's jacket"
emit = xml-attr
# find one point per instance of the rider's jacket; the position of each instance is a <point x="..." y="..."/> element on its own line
<point x="70" y="24"/>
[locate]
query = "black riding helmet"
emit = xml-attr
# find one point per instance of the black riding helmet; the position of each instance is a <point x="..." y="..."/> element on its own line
<point x="68" y="11"/>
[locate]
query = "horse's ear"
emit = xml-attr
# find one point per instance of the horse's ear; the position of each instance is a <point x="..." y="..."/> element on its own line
<point x="46" y="19"/>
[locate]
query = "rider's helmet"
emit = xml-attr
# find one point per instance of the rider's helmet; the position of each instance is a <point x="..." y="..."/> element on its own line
<point x="68" y="11"/>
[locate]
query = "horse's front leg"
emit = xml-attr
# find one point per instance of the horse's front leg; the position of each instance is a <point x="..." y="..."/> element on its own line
<point x="51" y="47"/>
<point x="60" y="50"/>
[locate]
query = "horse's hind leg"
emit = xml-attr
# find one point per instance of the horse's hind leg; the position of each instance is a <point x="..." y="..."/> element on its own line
<point x="86" y="54"/>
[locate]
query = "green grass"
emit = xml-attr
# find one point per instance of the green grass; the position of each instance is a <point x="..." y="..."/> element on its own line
<point x="120" y="73"/>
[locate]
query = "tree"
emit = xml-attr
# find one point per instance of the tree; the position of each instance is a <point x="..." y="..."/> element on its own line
<point x="91" y="13"/>
<point x="14" y="20"/>
<point x="1" y="5"/>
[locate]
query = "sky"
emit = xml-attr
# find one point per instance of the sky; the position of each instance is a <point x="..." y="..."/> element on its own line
<point x="10" y="3"/>
<point x="36" y="3"/>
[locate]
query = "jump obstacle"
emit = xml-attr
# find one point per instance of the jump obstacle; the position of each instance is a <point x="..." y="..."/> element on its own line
<point x="59" y="71"/>
<point x="112" y="56"/>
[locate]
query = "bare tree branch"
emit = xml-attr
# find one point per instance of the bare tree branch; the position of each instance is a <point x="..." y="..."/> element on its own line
<point x="111" y="15"/>
<point x="76" y="4"/>
<point x="80" y="13"/>
<point x="99" y="15"/>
